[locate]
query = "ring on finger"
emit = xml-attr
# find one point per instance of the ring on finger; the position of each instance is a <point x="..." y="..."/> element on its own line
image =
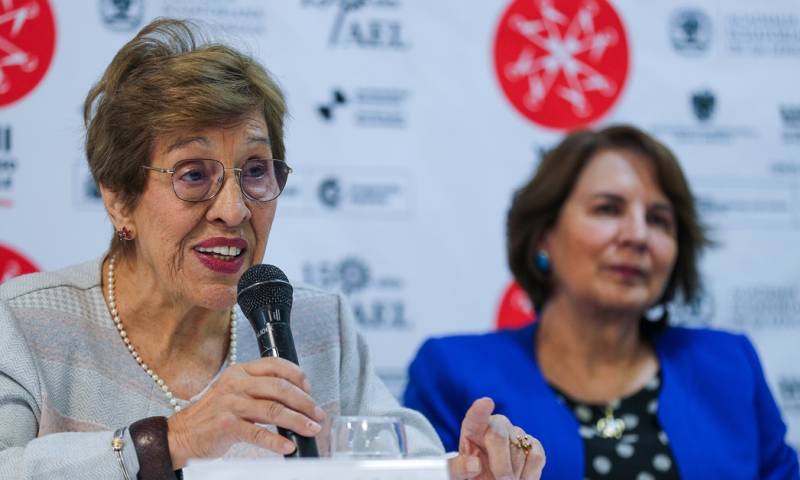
<point x="522" y="442"/>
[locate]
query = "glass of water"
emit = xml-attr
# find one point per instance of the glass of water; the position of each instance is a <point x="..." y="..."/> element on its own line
<point x="368" y="437"/>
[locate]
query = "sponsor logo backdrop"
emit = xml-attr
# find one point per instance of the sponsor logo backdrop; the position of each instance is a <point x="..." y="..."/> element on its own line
<point x="413" y="122"/>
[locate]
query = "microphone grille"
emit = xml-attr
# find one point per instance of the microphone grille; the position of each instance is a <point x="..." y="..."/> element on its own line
<point x="262" y="285"/>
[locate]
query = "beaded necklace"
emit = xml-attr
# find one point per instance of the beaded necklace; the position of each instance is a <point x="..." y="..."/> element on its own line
<point x="112" y="303"/>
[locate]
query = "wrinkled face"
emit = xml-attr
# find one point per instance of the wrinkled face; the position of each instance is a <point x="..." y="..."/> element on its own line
<point x="614" y="244"/>
<point x="196" y="252"/>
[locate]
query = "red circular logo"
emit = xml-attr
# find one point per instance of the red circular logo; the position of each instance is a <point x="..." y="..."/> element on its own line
<point x="516" y="309"/>
<point x="13" y="264"/>
<point x="27" y="42"/>
<point x="561" y="63"/>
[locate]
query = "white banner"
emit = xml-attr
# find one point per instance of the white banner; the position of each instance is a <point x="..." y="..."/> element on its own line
<point x="412" y="122"/>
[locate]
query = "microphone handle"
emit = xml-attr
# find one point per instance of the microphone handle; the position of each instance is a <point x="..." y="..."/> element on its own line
<point x="306" y="446"/>
<point x="275" y="340"/>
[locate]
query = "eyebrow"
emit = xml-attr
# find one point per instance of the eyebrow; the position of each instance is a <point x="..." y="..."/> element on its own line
<point x="619" y="198"/>
<point x="183" y="141"/>
<point x="261" y="139"/>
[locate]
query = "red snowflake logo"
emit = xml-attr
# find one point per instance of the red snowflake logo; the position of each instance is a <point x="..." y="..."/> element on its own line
<point x="13" y="264"/>
<point x="27" y="42"/>
<point x="561" y="63"/>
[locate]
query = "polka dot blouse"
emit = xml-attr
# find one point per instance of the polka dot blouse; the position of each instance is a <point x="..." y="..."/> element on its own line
<point x="641" y="452"/>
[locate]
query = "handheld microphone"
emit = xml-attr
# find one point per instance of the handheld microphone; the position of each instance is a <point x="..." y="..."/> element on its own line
<point x="265" y="297"/>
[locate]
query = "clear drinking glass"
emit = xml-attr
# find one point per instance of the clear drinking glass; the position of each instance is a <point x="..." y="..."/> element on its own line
<point x="368" y="437"/>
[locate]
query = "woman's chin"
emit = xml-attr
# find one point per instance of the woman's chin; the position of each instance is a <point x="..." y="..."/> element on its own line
<point x="215" y="297"/>
<point x="633" y="303"/>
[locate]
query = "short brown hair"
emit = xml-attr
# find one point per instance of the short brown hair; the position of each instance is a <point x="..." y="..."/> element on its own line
<point x="168" y="80"/>
<point x="536" y="206"/>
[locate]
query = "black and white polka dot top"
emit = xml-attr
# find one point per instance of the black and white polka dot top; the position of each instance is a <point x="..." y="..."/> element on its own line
<point x="641" y="452"/>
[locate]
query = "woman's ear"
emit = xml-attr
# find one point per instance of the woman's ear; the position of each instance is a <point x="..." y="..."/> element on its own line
<point x="544" y="242"/>
<point x="117" y="210"/>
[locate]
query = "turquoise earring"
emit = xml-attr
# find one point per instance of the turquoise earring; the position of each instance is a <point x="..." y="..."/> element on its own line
<point x="542" y="261"/>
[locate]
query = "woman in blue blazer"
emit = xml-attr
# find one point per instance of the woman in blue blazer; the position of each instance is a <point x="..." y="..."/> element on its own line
<point x="602" y="238"/>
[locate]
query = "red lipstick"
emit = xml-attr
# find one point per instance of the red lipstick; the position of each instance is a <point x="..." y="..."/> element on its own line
<point x="221" y="255"/>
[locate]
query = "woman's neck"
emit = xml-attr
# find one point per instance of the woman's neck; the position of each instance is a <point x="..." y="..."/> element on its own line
<point x="185" y="344"/>
<point x="591" y="353"/>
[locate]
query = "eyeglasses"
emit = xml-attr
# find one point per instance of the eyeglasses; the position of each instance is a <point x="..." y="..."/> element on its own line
<point x="200" y="179"/>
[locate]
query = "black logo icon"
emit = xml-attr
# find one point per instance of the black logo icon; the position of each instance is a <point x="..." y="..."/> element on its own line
<point x="330" y="192"/>
<point x="356" y="24"/>
<point x="703" y="104"/>
<point x="790" y="116"/>
<point x="353" y="275"/>
<point x="690" y="31"/>
<point x="345" y="7"/>
<point x="789" y="388"/>
<point x="122" y="15"/>
<point x="326" y="110"/>
<point x="7" y="165"/>
<point x="5" y="139"/>
<point x="7" y="168"/>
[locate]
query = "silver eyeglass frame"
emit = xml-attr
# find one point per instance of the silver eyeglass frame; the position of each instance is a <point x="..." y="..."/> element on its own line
<point x="237" y="171"/>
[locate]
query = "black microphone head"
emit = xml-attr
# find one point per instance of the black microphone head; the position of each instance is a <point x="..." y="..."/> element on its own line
<point x="263" y="285"/>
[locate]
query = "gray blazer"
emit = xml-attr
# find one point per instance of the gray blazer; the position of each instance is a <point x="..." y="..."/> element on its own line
<point x="67" y="381"/>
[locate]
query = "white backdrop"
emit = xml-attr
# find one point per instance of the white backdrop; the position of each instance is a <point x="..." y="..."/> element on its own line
<point x="413" y="121"/>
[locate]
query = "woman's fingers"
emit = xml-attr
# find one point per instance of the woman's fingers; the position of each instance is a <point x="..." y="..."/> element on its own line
<point x="499" y="448"/>
<point x="285" y="392"/>
<point x="476" y="421"/>
<point x="277" y="367"/>
<point x="275" y="413"/>
<point x="534" y="463"/>
<point x="519" y="440"/>
<point x="264" y="438"/>
<point x="266" y="391"/>
<point x="464" y="466"/>
<point x="497" y="443"/>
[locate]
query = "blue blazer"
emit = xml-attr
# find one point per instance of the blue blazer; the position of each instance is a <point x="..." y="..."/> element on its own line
<point x="715" y="405"/>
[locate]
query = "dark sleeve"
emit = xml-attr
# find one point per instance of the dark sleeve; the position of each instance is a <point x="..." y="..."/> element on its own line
<point x="431" y="390"/>
<point x="778" y="459"/>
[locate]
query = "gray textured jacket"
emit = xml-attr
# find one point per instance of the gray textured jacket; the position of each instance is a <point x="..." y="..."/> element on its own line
<point x="67" y="381"/>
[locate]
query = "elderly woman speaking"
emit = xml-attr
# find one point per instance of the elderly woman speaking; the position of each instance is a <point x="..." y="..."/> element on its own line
<point x="132" y="364"/>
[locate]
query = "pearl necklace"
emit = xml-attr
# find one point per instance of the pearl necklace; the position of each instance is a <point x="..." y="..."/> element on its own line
<point x="122" y="333"/>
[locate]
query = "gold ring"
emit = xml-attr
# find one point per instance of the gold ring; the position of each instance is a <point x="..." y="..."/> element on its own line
<point x="522" y="442"/>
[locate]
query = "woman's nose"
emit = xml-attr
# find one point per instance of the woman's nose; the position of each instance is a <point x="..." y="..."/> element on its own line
<point x="633" y="228"/>
<point x="229" y="205"/>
